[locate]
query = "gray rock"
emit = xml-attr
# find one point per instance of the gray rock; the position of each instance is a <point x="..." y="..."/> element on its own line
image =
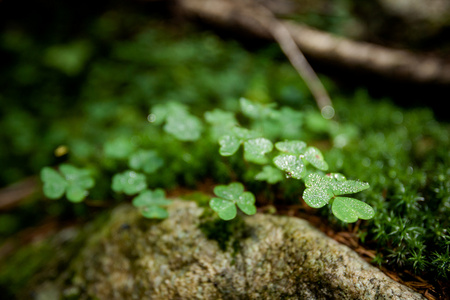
<point x="266" y="257"/>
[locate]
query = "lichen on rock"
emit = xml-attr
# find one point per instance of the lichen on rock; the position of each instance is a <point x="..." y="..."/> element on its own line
<point x="278" y="258"/>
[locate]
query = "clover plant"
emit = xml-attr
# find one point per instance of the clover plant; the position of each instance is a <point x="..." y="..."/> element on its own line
<point x="72" y="181"/>
<point x="270" y="174"/>
<point x="151" y="204"/>
<point x="178" y="121"/>
<point x="145" y="160"/>
<point x="254" y="146"/>
<point x="256" y="110"/>
<point x="129" y="182"/>
<point x="119" y="148"/>
<point x="221" y="122"/>
<point x="230" y="196"/>
<point x="294" y="158"/>
<point x="322" y="190"/>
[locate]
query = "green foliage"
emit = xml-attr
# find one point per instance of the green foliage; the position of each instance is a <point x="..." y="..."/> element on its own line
<point x="119" y="148"/>
<point x="179" y="122"/>
<point x="321" y="189"/>
<point x="149" y="204"/>
<point x="129" y="182"/>
<point x="145" y="160"/>
<point x="293" y="165"/>
<point x="230" y="196"/>
<point x="221" y="122"/>
<point x="72" y="181"/>
<point x="270" y="174"/>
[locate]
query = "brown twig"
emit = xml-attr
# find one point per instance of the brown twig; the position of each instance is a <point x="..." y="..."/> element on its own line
<point x="287" y="44"/>
<point x="398" y="64"/>
<point x="12" y="195"/>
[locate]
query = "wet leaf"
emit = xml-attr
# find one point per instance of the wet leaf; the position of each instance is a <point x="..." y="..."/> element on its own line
<point x="129" y="182"/>
<point x="183" y="126"/>
<point x="315" y="179"/>
<point x="231" y="195"/>
<point x="243" y="133"/>
<point x="149" y="203"/>
<point x="246" y="203"/>
<point x="149" y="197"/>
<point x="154" y="212"/>
<point x="255" y="110"/>
<point x="222" y="122"/>
<point x="291" y="147"/>
<point x="229" y="192"/>
<point x="315" y="157"/>
<point x="229" y="145"/>
<point x="348" y="187"/>
<point x="76" y="193"/>
<point x="270" y="174"/>
<point x="255" y="149"/>
<point x="336" y="176"/>
<point x="145" y="160"/>
<point x="323" y="188"/>
<point x="220" y="117"/>
<point x="119" y="148"/>
<point x="317" y="196"/>
<point x="76" y="176"/>
<point x="54" y="184"/>
<point x="71" y="180"/>
<point x="349" y="209"/>
<point x="226" y="209"/>
<point x="291" y="164"/>
<point x="162" y="111"/>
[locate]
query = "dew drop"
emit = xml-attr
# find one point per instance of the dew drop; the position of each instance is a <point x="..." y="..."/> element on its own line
<point x="151" y="118"/>
<point x="328" y="112"/>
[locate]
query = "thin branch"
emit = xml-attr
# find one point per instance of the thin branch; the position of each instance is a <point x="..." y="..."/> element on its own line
<point x="287" y="44"/>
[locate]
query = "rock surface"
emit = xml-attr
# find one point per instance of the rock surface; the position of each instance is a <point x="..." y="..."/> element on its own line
<point x="269" y="257"/>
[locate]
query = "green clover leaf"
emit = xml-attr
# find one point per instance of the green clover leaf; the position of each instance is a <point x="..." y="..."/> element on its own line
<point x="291" y="147"/>
<point x="119" y="148"/>
<point x="149" y="204"/>
<point x="145" y="160"/>
<point x="230" y="143"/>
<point x="179" y="122"/>
<point x="321" y="189"/>
<point x="129" y="182"/>
<point x="270" y="174"/>
<point x="291" y="164"/>
<point x="255" y="110"/>
<point x="161" y="111"/>
<point x="348" y="187"/>
<point x="230" y="196"/>
<point x="220" y="118"/>
<point x="310" y="154"/>
<point x="54" y="184"/>
<point x="255" y="149"/>
<point x="221" y="122"/>
<point x="226" y="209"/>
<point x="318" y="192"/>
<point x="71" y="180"/>
<point x="183" y="126"/>
<point x="349" y="209"/>
<point x="315" y="157"/>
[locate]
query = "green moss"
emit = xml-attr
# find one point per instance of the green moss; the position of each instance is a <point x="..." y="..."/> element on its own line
<point x="226" y="233"/>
